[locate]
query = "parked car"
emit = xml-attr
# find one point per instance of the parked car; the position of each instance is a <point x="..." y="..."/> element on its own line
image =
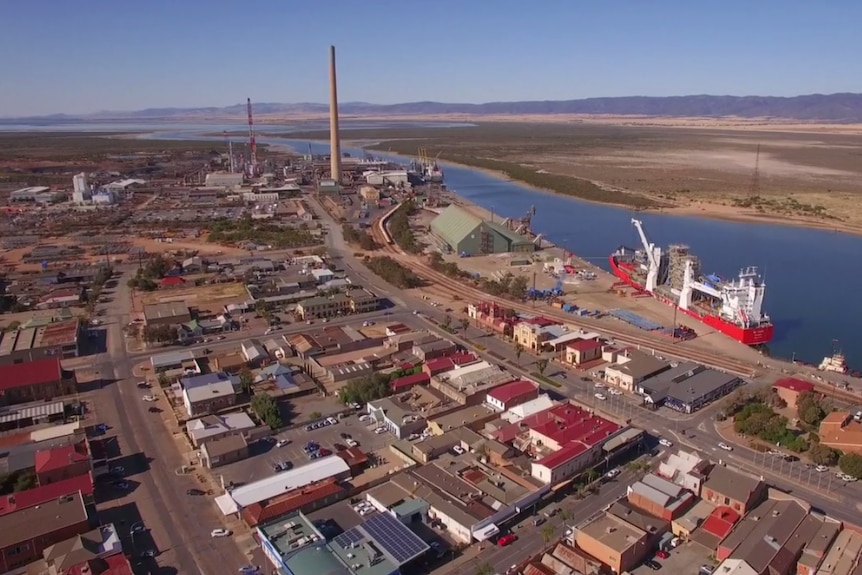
<point x="821" y="468"/>
<point x="324" y="452"/>
<point x="282" y="442"/>
<point x="459" y="450"/>
<point x="665" y="442"/>
<point x="600" y="396"/>
<point x="137" y="528"/>
<point x="615" y="391"/>
<point x="144" y="384"/>
<point x="345" y="436"/>
<point x="149" y="398"/>
<point x="220" y="533"/>
<point x="351" y="442"/>
<point x="662" y="554"/>
<point x="331" y="420"/>
<point x="652" y="564"/>
<point x="612" y="473"/>
<point x="505" y="540"/>
<point x="538" y="521"/>
<point x="195" y="492"/>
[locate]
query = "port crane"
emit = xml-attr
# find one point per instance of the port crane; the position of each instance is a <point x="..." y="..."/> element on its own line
<point x="653" y="254"/>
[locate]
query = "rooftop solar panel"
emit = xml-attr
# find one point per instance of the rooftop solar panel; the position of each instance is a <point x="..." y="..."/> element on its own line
<point x="350" y="536"/>
<point x="396" y="539"/>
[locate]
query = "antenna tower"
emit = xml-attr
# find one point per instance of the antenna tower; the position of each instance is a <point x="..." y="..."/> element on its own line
<point x="754" y="190"/>
<point x="251" y="143"/>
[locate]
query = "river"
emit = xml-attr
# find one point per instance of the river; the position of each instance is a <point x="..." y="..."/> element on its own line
<point x="811" y="275"/>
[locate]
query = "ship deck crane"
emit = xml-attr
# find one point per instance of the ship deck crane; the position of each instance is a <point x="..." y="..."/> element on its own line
<point x="652" y="257"/>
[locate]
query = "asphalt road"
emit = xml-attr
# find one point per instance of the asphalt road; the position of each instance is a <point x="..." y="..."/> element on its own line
<point x="179" y="525"/>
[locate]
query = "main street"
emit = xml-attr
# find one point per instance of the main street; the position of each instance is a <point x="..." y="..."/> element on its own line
<point x="179" y="526"/>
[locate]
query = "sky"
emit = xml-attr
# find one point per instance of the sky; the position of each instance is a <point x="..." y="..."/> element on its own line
<point x="95" y="55"/>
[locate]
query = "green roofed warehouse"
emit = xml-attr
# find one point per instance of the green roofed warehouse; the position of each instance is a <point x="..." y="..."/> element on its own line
<point x="466" y="234"/>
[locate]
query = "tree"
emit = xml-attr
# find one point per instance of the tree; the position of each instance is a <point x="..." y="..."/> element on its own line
<point x="519" y="349"/>
<point x="315" y="415"/>
<point x="547" y="533"/>
<point x="464" y="323"/>
<point x="809" y="408"/>
<point x="246" y="380"/>
<point x="163" y="380"/>
<point x="565" y="515"/>
<point x="592" y="474"/>
<point x="851" y="464"/>
<point x="823" y="454"/>
<point x="484" y="569"/>
<point x="447" y="322"/>
<point x="25" y="481"/>
<point x="266" y="410"/>
<point x="542" y="365"/>
<point x="365" y="389"/>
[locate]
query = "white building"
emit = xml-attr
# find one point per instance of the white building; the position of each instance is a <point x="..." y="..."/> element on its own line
<point x="104" y="198"/>
<point x="223" y="180"/>
<point x="80" y="184"/>
<point x="124" y="188"/>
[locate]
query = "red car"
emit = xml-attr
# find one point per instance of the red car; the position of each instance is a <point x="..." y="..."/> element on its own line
<point x="324" y="452"/>
<point x="506" y="540"/>
<point x="662" y="554"/>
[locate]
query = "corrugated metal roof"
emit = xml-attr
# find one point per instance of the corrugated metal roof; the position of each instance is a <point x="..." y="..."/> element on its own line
<point x="454" y="224"/>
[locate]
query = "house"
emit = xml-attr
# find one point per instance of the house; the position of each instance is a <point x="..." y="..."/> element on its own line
<point x="208" y="393"/>
<point x="654" y="527"/>
<point x="789" y="389"/>
<point x="212" y="427"/>
<point x="434" y="349"/>
<point x="63" y="462"/>
<point x="224" y="450"/>
<point x="816" y="538"/>
<point x="533" y="333"/>
<point x="716" y="526"/>
<point x="632" y="368"/>
<point x="82" y="484"/>
<point x="583" y="351"/>
<point x="253" y="352"/>
<point x="616" y="543"/>
<point x="194" y="265"/>
<point x="659" y="497"/>
<point x="167" y="313"/>
<point x="686" y="469"/>
<point x="843" y="556"/>
<point x="690" y="521"/>
<point x="322" y="275"/>
<point x="63" y="297"/>
<point x="395" y="416"/>
<point x="509" y="395"/>
<point x="470" y="384"/>
<point x="26" y="533"/>
<point x="172" y="282"/>
<point x="173" y="360"/>
<point x="733" y="489"/>
<point x="97" y="552"/>
<point x="473" y="417"/>
<point x="41" y="338"/>
<point x="39" y="380"/>
<point x="406" y="382"/>
<point x="843" y="431"/>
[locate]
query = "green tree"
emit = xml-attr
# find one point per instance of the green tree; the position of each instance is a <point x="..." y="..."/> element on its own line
<point x="315" y="415"/>
<point x="591" y="474"/>
<point x="519" y="349"/>
<point x="823" y="454"/>
<point x="851" y="464"/>
<point x="25" y="481"/>
<point x="464" y="323"/>
<point x="246" y="380"/>
<point x="365" y="389"/>
<point x="809" y="408"/>
<point x="163" y="380"/>
<point x="565" y="515"/>
<point x="484" y="569"/>
<point x="547" y="533"/>
<point x="266" y="410"/>
<point x="447" y="322"/>
<point x="542" y="365"/>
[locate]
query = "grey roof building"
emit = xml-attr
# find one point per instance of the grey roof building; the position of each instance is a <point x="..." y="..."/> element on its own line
<point x="764" y="538"/>
<point x="687" y="387"/>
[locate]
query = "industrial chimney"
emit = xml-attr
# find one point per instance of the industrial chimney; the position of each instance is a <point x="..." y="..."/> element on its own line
<point x="334" y="139"/>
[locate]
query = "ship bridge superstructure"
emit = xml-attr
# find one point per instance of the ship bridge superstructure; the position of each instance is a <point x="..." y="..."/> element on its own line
<point x="740" y="300"/>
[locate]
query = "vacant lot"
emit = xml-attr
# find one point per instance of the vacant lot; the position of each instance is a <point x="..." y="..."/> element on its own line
<point x="810" y="177"/>
<point x="197" y="296"/>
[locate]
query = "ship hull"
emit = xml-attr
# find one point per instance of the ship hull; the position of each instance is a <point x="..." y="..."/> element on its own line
<point x="749" y="336"/>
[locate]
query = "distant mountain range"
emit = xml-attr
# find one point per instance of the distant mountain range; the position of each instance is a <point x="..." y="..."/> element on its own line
<point x="837" y="108"/>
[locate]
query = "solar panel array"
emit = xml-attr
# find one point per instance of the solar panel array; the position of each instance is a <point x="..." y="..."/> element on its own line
<point x="350" y="536"/>
<point x="401" y="543"/>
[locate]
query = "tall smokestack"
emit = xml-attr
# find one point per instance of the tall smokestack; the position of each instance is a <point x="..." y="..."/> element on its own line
<point x="334" y="139"/>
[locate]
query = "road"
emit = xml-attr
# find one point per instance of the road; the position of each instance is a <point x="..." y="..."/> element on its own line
<point x="179" y="525"/>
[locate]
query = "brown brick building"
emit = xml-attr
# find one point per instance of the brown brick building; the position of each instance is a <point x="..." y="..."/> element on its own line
<point x="35" y="381"/>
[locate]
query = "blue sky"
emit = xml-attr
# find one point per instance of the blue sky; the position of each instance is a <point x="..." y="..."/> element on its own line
<point x="93" y="55"/>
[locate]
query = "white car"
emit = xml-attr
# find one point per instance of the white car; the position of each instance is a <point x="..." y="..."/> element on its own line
<point x="282" y="442"/>
<point x="599" y="385"/>
<point x="612" y="473"/>
<point x="615" y="392"/>
<point x="821" y="469"/>
<point x="459" y="450"/>
<point x="380" y="430"/>
<point x="600" y="396"/>
<point x="331" y="420"/>
<point x="351" y="442"/>
<point x="665" y="442"/>
<point x="364" y="417"/>
<point x="725" y="446"/>
<point x="220" y="533"/>
<point x="848" y="478"/>
<point x="149" y="398"/>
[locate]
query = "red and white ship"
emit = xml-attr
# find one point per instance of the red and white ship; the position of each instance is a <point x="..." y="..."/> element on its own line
<point x="732" y="307"/>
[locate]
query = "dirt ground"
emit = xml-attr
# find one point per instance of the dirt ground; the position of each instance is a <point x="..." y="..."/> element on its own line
<point x="197" y="296"/>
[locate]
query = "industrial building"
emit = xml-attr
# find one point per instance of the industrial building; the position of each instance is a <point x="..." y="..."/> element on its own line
<point x="465" y="234"/>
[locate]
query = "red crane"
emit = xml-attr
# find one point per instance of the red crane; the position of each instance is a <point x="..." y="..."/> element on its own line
<point x="251" y="143"/>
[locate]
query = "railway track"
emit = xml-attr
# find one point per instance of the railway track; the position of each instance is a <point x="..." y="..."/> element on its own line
<point x="456" y="288"/>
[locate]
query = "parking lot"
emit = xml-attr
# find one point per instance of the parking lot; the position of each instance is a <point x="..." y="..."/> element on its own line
<point x="266" y="455"/>
<point x="687" y="558"/>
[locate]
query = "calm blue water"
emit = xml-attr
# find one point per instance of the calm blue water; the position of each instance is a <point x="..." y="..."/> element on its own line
<point x="812" y="276"/>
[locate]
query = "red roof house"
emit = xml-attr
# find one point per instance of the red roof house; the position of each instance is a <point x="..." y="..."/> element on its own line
<point x="789" y="389"/>
<point x="408" y="381"/>
<point x="35" y="381"/>
<point x="38" y="495"/>
<point x="511" y="394"/>
<point x="172" y="282"/>
<point x="303" y="499"/>
<point x="64" y="462"/>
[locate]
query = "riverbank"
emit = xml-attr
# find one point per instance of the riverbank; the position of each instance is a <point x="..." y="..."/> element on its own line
<point x="710" y="210"/>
